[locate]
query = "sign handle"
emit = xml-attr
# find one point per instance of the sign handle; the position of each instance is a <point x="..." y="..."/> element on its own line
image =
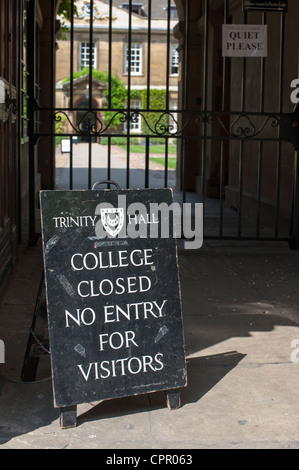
<point x="106" y="182"/>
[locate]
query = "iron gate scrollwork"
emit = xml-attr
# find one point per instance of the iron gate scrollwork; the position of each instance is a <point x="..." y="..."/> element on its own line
<point x="242" y="125"/>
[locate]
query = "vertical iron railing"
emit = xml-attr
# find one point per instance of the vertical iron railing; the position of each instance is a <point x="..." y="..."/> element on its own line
<point x="223" y="155"/>
<point x="261" y="144"/>
<point x="22" y="95"/>
<point x="109" y="162"/>
<point x="281" y="95"/>
<point x="129" y="59"/>
<point x="71" y="99"/>
<point x="148" y="83"/>
<point x="53" y="79"/>
<point x="31" y="51"/>
<point x="186" y="97"/>
<point x="205" y="104"/>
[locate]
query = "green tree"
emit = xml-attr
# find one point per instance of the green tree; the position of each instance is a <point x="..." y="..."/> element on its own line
<point x="119" y="95"/>
<point x="64" y="9"/>
<point x="154" y="121"/>
<point x="65" y="12"/>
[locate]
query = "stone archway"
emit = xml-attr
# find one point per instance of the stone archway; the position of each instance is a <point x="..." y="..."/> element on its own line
<point x="85" y="114"/>
<point x="86" y="121"/>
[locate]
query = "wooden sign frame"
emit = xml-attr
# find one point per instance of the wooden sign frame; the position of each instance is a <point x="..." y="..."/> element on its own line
<point x="113" y="302"/>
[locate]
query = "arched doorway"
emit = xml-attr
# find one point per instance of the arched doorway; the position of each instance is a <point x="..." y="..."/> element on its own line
<point x="87" y="121"/>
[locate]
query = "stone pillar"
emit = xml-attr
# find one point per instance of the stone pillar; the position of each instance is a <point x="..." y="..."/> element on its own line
<point x="46" y="153"/>
<point x="190" y="90"/>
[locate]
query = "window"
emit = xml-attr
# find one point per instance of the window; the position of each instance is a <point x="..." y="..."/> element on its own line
<point x="175" y="57"/>
<point x="173" y="11"/>
<point x="136" y="8"/>
<point x="84" y="55"/>
<point x="135" y="122"/>
<point x="136" y="59"/>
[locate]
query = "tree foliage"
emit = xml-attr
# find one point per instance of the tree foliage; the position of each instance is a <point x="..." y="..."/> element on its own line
<point x="119" y="95"/>
<point x="64" y="9"/>
<point x="155" y="121"/>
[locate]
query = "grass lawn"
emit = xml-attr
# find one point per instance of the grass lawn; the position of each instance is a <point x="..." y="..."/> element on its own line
<point x="152" y="148"/>
<point x="161" y="161"/>
<point x="157" y="149"/>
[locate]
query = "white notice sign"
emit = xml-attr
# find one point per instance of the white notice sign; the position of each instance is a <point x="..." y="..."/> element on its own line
<point x="65" y="145"/>
<point x="244" y="40"/>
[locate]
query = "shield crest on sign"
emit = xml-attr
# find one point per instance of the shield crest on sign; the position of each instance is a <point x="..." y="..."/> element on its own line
<point x="112" y="220"/>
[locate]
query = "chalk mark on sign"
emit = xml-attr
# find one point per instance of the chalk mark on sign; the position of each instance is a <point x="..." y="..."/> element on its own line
<point x="162" y="332"/>
<point x="66" y="285"/>
<point x="80" y="350"/>
<point x="51" y="243"/>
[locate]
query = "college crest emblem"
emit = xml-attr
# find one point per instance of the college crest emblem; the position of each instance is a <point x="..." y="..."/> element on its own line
<point x="112" y="220"/>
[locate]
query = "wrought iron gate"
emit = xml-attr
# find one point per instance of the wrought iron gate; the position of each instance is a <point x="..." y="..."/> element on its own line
<point x="236" y="144"/>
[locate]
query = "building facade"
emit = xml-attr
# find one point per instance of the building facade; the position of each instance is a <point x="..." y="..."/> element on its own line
<point x="120" y="41"/>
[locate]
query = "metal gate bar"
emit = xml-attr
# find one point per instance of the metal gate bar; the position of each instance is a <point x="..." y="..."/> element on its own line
<point x="223" y="125"/>
<point x="186" y="97"/>
<point x="261" y="146"/>
<point x="281" y="80"/>
<point x="222" y="147"/>
<point x="205" y="102"/>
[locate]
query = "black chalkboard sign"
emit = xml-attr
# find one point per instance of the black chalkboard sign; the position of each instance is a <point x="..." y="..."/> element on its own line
<point x="113" y="295"/>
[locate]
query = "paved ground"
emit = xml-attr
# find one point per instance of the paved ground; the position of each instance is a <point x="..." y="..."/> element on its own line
<point x="241" y="325"/>
<point x="156" y="179"/>
<point x="99" y="159"/>
<point x="241" y="318"/>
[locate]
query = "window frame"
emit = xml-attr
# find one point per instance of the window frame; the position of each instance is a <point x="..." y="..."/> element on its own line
<point x="173" y="11"/>
<point x="136" y="8"/>
<point x="126" y="59"/>
<point x="135" y="127"/>
<point x="174" y="60"/>
<point x="85" y="49"/>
